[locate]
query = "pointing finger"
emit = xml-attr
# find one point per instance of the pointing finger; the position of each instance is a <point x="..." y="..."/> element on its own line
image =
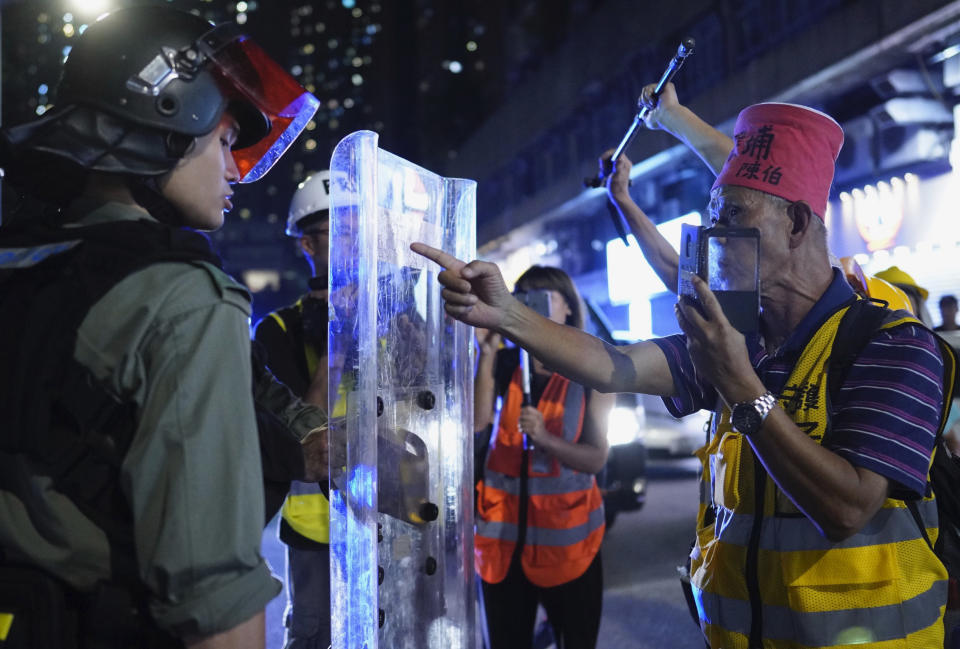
<point x="438" y="256"/>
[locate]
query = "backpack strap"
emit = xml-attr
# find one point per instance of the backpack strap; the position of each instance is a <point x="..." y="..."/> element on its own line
<point x="857" y="327"/>
<point x="864" y="318"/>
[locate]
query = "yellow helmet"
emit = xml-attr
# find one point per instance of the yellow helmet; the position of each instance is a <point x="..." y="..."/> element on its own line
<point x="874" y="286"/>
<point x="895" y="298"/>
<point x="896" y="276"/>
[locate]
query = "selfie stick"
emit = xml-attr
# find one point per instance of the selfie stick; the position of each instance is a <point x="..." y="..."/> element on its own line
<point x="685" y="50"/>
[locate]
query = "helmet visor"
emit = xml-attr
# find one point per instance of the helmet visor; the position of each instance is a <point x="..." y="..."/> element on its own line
<point x="259" y="81"/>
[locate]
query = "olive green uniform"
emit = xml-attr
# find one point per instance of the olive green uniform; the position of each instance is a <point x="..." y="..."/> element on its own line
<point x="174" y="339"/>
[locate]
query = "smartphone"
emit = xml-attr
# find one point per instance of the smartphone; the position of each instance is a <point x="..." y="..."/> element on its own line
<point x="538" y="300"/>
<point x="728" y="260"/>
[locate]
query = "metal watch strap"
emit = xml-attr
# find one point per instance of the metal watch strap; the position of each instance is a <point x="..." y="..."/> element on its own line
<point x="764" y="404"/>
<point x="761" y="407"/>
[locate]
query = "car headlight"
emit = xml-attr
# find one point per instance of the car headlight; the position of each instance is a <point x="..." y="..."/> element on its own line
<point x="623" y="426"/>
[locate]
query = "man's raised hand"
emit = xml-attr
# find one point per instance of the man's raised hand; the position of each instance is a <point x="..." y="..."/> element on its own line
<point x="657" y="107"/>
<point x="473" y="293"/>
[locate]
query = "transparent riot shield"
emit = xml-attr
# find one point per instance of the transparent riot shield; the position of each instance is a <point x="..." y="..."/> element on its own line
<point x="401" y="395"/>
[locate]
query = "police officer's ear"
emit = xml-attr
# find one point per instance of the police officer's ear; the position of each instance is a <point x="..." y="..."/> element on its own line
<point x="801" y="217"/>
<point x="307" y="244"/>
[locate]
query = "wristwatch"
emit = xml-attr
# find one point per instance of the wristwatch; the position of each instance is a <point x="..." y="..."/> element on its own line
<point x="747" y="416"/>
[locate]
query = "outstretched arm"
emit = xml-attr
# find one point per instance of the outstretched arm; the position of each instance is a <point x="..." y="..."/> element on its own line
<point x="476" y="294"/>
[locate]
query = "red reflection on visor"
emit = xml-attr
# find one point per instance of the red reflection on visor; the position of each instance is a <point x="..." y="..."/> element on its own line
<point x="259" y="80"/>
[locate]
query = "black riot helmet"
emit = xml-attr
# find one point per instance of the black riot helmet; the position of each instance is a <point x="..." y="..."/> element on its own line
<point x="141" y="83"/>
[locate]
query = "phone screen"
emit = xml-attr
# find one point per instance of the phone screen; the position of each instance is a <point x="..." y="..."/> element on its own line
<point x="538" y="300"/>
<point x="732" y="259"/>
<point x="728" y="260"/>
<point x="733" y="274"/>
<point x="690" y="259"/>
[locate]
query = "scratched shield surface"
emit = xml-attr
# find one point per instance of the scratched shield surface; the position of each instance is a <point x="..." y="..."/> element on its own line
<point x="401" y="391"/>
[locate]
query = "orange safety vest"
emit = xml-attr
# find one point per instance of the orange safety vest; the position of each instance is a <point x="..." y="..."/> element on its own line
<point x="565" y="521"/>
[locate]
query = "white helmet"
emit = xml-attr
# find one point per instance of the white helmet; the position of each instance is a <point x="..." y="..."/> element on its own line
<point x="312" y="196"/>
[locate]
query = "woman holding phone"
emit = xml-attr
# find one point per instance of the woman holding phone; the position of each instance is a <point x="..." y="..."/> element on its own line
<point x="540" y="519"/>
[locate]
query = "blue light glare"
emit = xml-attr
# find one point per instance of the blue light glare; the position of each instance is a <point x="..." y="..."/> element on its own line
<point x="360" y="485"/>
<point x="43" y="89"/>
<point x="632" y="281"/>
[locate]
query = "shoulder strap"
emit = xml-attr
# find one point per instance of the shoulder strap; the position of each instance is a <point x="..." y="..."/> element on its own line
<point x="914" y="510"/>
<point x="288" y="317"/>
<point x="857" y="327"/>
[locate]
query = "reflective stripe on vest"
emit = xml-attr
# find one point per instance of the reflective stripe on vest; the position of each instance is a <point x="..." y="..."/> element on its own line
<point x="6" y="621"/>
<point x="572" y="481"/>
<point x="859" y="627"/>
<point x="892" y="523"/>
<point x="305" y="509"/>
<point x="543" y="535"/>
<point x="565" y="520"/>
<point x="882" y="584"/>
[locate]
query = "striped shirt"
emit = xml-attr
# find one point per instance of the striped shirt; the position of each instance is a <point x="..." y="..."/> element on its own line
<point x="887" y="411"/>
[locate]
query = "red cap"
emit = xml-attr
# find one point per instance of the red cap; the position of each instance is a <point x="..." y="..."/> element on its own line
<point x="785" y="150"/>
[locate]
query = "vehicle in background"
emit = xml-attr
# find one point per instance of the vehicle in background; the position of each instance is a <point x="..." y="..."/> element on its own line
<point x="623" y="481"/>
<point x="667" y="436"/>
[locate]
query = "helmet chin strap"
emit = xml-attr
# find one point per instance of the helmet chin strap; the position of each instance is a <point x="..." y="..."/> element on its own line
<point x="146" y="192"/>
<point x="318" y="282"/>
<point x="146" y="189"/>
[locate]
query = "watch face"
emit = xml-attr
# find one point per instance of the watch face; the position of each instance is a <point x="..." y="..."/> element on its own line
<point x="745" y="418"/>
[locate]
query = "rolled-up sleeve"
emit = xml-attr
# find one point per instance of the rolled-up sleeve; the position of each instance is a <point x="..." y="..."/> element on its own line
<point x="193" y="472"/>
<point x="691" y="394"/>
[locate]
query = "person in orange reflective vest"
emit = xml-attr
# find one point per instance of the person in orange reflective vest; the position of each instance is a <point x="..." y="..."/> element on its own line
<point x="540" y="516"/>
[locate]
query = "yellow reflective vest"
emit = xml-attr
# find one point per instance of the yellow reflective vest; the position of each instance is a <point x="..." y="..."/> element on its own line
<point x="306" y="509"/>
<point x="760" y="566"/>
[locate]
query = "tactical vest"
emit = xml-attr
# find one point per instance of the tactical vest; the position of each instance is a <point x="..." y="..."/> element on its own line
<point x="564" y="508"/>
<point x="56" y="412"/>
<point x="306" y="509"/>
<point x="763" y="575"/>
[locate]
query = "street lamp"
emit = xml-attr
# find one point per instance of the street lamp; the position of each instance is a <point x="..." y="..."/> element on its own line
<point x="89" y="8"/>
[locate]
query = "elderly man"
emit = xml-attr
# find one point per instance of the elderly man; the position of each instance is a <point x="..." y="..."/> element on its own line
<point x="804" y="538"/>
